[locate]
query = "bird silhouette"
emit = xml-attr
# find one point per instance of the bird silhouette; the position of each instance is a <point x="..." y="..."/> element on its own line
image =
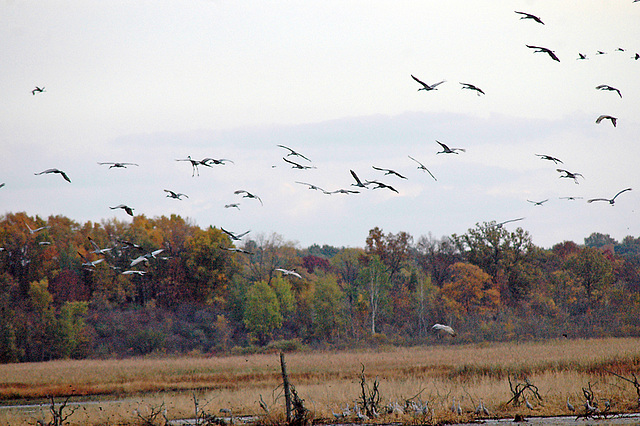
<point x="236" y="250"/>
<point x="358" y="183"/>
<point x="427" y="87"/>
<point x="124" y="207"/>
<point x="570" y="175"/>
<point x="175" y="195"/>
<point x="538" y="203"/>
<point x="570" y="198"/>
<point x="472" y="87"/>
<point x="292" y="152"/>
<point x="501" y="224"/>
<point x="611" y="201"/>
<point x="529" y="16"/>
<point x="581" y="56"/>
<point x="118" y="165"/>
<point x="445" y="329"/>
<point x="422" y="167"/>
<point x="97" y="249"/>
<point x="447" y="150"/>
<point x="295" y="165"/>
<point x="609" y="88"/>
<point x="614" y="120"/>
<point x="232" y="205"/>
<point x="389" y="172"/>
<point x="133" y="272"/>
<point x="379" y="185"/>
<point x="544" y="50"/>
<point x="247" y="194"/>
<point x="314" y="187"/>
<point x="38" y="90"/>
<point x="194" y="164"/>
<point x="343" y="191"/>
<point x="221" y="161"/>
<point x="233" y="236"/>
<point x="60" y="172"/>
<point x="550" y="158"/>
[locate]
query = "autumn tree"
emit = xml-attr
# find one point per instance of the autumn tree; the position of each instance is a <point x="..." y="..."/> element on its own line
<point x="392" y="249"/>
<point x="471" y="292"/>
<point x="506" y="256"/>
<point x="594" y="271"/>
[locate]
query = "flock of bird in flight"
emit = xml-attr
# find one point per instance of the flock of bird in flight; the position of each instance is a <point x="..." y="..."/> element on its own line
<point x="299" y="161"/>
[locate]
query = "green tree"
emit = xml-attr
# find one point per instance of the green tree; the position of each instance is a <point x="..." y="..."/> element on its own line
<point x="376" y="283"/>
<point x="328" y="306"/>
<point x="262" y="315"/>
<point x="72" y="328"/>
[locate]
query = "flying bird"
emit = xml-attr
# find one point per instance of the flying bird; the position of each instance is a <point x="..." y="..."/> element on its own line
<point x="538" y="203"/>
<point x="247" y="194"/>
<point x="343" y="191"/>
<point x="636" y="56"/>
<point x="131" y="272"/>
<point x="607" y="117"/>
<point x="571" y="198"/>
<point x="422" y="167"/>
<point x="236" y="250"/>
<point x="139" y="259"/>
<point x="89" y="264"/>
<point x="610" y="200"/>
<point x="529" y="16"/>
<point x="2" y="184"/>
<point x="472" y="87"/>
<point x="60" y="172"/>
<point x="425" y="86"/>
<point x="205" y="161"/>
<point x="33" y="231"/>
<point x="381" y="185"/>
<point x="292" y="152"/>
<point x="38" y="90"/>
<point x="447" y="150"/>
<point x="232" y="205"/>
<point x="501" y="224"/>
<point x="126" y="208"/>
<point x="544" y="50"/>
<point x="389" y="172"/>
<point x="119" y="165"/>
<point x="581" y="56"/>
<point x="358" y="183"/>
<point x="600" y="52"/>
<point x="97" y="249"/>
<point x="445" y="329"/>
<point x="235" y="237"/>
<point x="194" y="164"/>
<point x="175" y="195"/>
<point x="295" y="165"/>
<point x="609" y="88"/>
<point x="550" y="158"/>
<point x="289" y="272"/>
<point x="570" y="175"/>
<point x="314" y="187"/>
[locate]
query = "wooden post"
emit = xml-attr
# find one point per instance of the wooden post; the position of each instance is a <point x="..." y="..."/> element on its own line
<point x="285" y="383"/>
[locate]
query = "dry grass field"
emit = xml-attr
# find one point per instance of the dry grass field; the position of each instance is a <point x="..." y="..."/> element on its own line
<point x="327" y="381"/>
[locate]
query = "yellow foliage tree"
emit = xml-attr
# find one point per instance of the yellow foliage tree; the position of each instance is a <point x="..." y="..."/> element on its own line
<point x="470" y="291"/>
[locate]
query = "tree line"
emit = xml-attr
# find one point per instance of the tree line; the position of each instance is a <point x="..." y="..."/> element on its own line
<point x="165" y="285"/>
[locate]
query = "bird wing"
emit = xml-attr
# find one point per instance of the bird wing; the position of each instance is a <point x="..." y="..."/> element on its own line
<point x="421" y="82"/>
<point x="437" y="84"/>
<point x="598" y="199"/>
<point x="358" y="181"/>
<point x="446" y="148"/>
<point x="624" y="190"/>
<point x="299" y="166"/>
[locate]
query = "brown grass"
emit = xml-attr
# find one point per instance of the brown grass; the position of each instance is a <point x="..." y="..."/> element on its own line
<point x="329" y="380"/>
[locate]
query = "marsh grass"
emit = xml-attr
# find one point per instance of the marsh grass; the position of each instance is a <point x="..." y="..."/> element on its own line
<point x="329" y="380"/>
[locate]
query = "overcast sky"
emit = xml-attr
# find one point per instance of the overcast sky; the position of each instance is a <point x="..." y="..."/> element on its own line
<point x="150" y="82"/>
